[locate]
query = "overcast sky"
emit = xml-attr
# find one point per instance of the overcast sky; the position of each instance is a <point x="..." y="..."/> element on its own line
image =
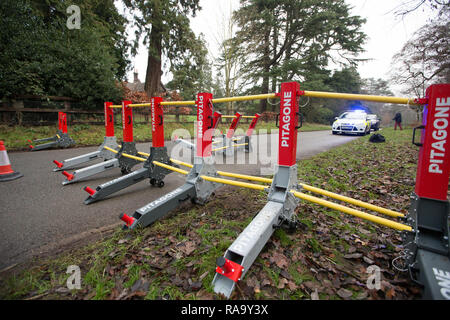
<point x="386" y="32"/>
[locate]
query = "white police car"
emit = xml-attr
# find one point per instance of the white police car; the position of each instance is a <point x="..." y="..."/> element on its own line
<point x="351" y="122"/>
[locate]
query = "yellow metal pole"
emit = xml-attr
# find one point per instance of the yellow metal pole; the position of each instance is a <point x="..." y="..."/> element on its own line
<point x="144" y="154"/>
<point x="181" y="163"/>
<point x="178" y="103"/>
<point x="245" y="98"/>
<point x="235" y="183"/>
<point x="115" y="106"/>
<point x="112" y="150"/>
<point x="365" y="97"/>
<point x="234" y="145"/>
<point x="353" y="201"/>
<point x="134" y="105"/>
<point x="170" y="167"/>
<point x="244" y="177"/>
<point x="356" y="213"/>
<point x="336" y="196"/>
<point x="220" y="148"/>
<point x="126" y="154"/>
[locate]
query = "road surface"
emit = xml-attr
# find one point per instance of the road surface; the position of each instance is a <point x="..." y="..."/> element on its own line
<point x="38" y="215"/>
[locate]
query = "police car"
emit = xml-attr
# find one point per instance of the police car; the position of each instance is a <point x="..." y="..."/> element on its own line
<point x="351" y="122"/>
<point x="374" y="122"/>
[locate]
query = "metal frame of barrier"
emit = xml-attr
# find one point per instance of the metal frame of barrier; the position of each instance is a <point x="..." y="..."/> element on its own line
<point x="158" y="152"/>
<point x="61" y="138"/>
<point x="109" y="141"/>
<point x="127" y="146"/>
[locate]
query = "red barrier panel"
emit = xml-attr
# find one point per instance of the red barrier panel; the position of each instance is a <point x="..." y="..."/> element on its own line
<point x="433" y="168"/>
<point x="217" y="116"/>
<point x="62" y="122"/>
<point x="233" y="125"/>
<point x="157" y="122"/>
<point x="109" y="119"/>
<point x="287" y="141"/>
<point x="253" y="124"/>
<point x="127" y="122"/>
<point x="205" y="122"/>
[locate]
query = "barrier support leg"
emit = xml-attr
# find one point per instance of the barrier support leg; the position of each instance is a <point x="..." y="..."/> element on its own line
<point x="279" y="209"/>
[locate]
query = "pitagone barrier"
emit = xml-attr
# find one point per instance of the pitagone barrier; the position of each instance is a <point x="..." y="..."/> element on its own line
<point x="108" y="141"/>
<point x="127" y="146"/>
<point x="229" y="143"/>
<point x="158" y="152"/>
<point x="426" y="240"/>
<point x="61" y="138"/>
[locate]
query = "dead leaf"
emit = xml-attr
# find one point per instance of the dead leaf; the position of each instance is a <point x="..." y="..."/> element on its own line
<point x="281" y="283"/>
<point x="279" y="259"/>
<point x="344" y="293"/>
<point x="353" y="256"/>
<point x="188" y="247"/>
<point x="292" y="286"/>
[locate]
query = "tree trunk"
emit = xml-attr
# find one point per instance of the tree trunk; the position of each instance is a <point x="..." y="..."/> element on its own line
<point x="266" y="69"/>
<point x="153" y="74"/>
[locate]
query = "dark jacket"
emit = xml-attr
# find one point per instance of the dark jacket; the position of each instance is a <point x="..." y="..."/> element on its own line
<point x="398" y="117"/>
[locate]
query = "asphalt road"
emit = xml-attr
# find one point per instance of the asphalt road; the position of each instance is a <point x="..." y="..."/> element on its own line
<point x="38" y="215"/>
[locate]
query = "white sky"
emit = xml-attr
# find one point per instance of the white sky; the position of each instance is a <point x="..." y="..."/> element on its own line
<point x="386" y="32"/>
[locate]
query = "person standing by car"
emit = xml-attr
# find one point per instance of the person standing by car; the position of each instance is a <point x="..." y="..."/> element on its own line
<point x="398" y="121"/>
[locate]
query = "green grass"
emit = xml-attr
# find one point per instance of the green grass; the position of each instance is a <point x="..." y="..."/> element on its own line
<point x="16" y="137"/>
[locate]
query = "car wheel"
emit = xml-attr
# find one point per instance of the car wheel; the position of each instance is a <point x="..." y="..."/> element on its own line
<point x="334" y="132"/>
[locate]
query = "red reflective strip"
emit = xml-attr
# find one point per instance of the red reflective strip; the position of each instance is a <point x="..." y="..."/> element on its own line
<point x="109" y="119"/>
<point x="287" y="139"/>
<point x="157" y="122"/>
<point x="433" y="168"/>
<point x="127" y="122"/>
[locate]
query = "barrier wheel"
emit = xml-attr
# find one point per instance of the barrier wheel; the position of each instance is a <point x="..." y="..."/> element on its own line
<point x="125" y="170"/>
<point x="152" y="181"/>
<point x="160" y="184"/>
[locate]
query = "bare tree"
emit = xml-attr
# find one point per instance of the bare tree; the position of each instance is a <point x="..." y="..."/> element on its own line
<point x="412" y="5"/>
<point x="424" y="59"/>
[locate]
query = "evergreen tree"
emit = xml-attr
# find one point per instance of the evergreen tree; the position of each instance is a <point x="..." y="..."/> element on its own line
<point x="164" y="26"/>
<point x="41" y="56"/>
<point x="294" y="40"/>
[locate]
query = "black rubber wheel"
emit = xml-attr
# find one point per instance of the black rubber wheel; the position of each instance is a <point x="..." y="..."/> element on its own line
<point x="161" y="184"/>
<point x="152" y="181"/>
<point x="333" y="132"/>
<point x="125" y="171"/>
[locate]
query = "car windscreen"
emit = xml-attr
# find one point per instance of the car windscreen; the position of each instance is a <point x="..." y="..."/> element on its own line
<point x="353" y="115"/>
